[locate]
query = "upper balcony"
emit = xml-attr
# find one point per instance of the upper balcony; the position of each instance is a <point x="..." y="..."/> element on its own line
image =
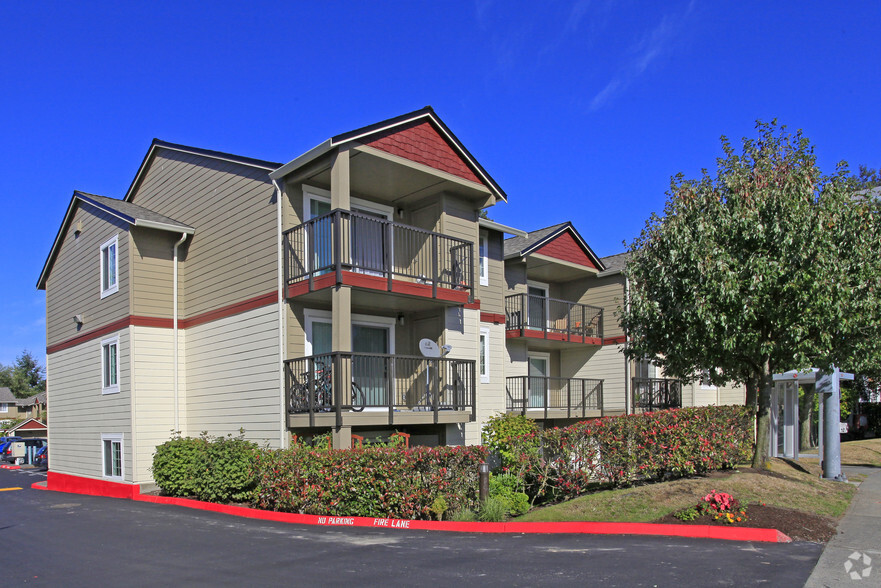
<point x="377" y="255"/>
<point x="549" y="322"/>
<point x="337" y="389"/>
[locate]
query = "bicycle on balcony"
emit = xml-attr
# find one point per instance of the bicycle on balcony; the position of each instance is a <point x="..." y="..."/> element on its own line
<point x="321" y="391"/>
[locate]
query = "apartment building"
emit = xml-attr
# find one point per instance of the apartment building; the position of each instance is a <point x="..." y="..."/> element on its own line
<point x="357" y="290"/>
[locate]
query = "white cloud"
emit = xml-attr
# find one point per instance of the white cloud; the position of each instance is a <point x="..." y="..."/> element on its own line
<point x="646" y="51"/>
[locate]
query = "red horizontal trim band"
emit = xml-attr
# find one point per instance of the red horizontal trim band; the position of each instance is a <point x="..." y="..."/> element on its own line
<point x="615" y="340"/>
<point x="89" y="486"/>
<point x="473" y="305"/>
<point x="368" y="282"/>
<point x="492" y="317"/>
<point x="230" y="310"/>
<point x="166" y="323"/>
<point x="552" y="336"/>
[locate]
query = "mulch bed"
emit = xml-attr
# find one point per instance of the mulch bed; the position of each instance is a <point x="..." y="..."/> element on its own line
<point x="800" y="526"/>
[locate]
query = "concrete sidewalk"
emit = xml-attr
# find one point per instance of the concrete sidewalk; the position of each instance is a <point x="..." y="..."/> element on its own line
<point x="853" y="557"/>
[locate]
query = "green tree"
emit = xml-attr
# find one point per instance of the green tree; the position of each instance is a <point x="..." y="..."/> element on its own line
<point x="25" y="378"/>
<point x="766" y="266"/>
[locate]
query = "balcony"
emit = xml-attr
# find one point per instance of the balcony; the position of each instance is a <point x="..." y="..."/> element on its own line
<point x="651" y="394"/>
<point x="339" y="389"/>
<point x="557" y="322"/>
<point x="544" y="397"/>
<point x="373" y="253"/>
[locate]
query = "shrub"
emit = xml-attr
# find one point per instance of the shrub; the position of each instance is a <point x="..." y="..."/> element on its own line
<point x="371" y="482"/>
<point x="216" y="469"/>
<point x="493" y="510"/>
<point x="508" y="488"/>
<point x="620" y="450"/>
<point x="509" y="436"/>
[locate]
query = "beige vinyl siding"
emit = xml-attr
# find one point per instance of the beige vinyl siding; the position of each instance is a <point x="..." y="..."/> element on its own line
<point x="153" y="395"/>
<point x="81" y="413"/>
<point x="233" y="254"/>
<point x="491" y="395"/>
<point x="605" y="363"/>
<point x="459" y="220"/>
<point x="606" y="293"/>
<point x="515" y="278"/>
<point x="492" y="296"/>
<point x="232" y="377"/>
<point x="74" y="284"/>
<point x="152" y="275"/>
<point x="693" y="394"/>
<point x="461" y="331"/>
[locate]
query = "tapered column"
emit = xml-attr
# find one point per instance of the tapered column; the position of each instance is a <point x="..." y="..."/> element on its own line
<point x="339" y="182"/>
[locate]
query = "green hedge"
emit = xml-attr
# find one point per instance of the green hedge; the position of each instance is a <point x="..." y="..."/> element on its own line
<point x="215" y="469"/>
<point x="371" y="482"/>
<point x="557" y="464"/>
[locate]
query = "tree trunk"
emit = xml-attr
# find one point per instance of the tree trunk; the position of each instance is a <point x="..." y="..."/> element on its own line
<point x="763" y="418"/>
<point x="805" y="417"/>
<point x="752" y="391"/>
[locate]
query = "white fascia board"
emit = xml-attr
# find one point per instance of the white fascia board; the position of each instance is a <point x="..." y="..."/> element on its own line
<point x="163" y="226"/>
<point x="302" y="160"/>
<point x="488" y="224"/>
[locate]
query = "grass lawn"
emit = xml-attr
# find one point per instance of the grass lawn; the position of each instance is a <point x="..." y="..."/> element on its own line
<point x="787" y="484"/>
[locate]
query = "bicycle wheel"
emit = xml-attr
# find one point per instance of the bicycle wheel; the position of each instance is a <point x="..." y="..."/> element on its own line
<point x="298" y="399"/>
<point x="358" y="398"/>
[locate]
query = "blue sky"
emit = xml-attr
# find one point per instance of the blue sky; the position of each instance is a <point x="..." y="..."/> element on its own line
<point x="580" y="110"/>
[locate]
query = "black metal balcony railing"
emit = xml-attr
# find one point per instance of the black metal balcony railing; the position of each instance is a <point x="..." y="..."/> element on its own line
<point x="656" y="394"/>
<point x="536" y="313"/>
<point x="576" y="396"/>
<point x="338" y="382"/>
<point x="342" y="240"/>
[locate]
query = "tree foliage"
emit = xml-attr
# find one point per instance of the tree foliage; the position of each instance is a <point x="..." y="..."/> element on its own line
<point x="767" y="266"/>
<point x="24" y="378"/>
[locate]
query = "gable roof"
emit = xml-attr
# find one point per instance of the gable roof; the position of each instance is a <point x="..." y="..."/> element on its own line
<point x="6" y="395"/>
<point x="615" y="263"/>
<point x="219" y="155"/>
<point x="522" y="246"/>
<point x="132" y="214"/>
<point x="38" y="398"/>
<point x="377" y="130"/>
<point x="30" y="424"/>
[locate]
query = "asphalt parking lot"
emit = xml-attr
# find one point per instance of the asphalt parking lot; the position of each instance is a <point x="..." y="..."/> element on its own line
<point x="53" y="538"/>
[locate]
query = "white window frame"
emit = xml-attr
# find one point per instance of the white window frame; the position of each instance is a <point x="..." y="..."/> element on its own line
<point x="483" y="355"/>
<point x="112" y="388"/>
<point x="113" y="438"/>
<point x="701" y="380"/>
<point x="114" y="287"/>
<point x="483" y="255"/>
<point x="4" y="406"/>
<point x="310" y="316"/>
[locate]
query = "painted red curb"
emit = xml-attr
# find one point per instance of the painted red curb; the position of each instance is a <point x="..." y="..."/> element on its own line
<point x="10" y="467"/>
<point x="77" y="485"/>
<point x="39" y="486"/>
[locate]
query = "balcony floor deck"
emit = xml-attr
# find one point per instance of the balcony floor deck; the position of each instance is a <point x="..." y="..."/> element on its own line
<point x="380" y="417"/>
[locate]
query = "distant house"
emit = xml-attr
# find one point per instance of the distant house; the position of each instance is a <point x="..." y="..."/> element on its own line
<point x="12" y="408"/>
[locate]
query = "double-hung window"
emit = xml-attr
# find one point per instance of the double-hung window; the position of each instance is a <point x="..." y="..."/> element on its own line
<point x="483" y="252"/>
<point x="110" y="266"/>
<point x="111" y="452"/>
<point x="484" y="355"/>
<point x="110" y="366"/>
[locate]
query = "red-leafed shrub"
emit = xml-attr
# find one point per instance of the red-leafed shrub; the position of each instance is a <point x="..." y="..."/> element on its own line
<point x="621" y="450"/>
<point x="371" y="482"/>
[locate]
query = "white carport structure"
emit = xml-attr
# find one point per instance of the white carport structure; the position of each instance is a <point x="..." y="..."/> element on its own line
<point x="784" y="415"/>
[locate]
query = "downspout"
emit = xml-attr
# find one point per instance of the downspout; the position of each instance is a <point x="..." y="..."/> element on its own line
<point x="180" y="242"/>
<point x="283" y="438"/>
<point x="627" y="398"/>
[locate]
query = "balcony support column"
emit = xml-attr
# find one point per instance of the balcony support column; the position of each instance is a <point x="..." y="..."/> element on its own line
<point x="340" y="196"/>
<point x="342" y="437"/>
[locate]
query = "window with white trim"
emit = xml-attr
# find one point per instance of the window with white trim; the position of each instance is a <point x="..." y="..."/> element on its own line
<point x="483" y="251"/>
<point x="705" y="382"/>
<point x="110" y="266"/>
<point x="112" y="456"/>
<point x="110" y="366"/>
<point x="484" y="355"/>
<point x="4" y="406"/>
